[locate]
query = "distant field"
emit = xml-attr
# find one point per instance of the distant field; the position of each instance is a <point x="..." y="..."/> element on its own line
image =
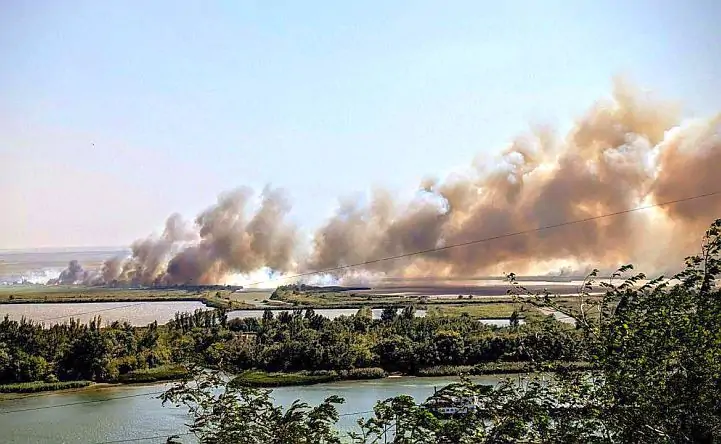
<point x="480" y="311"/>
<point x="476" y="306"/>
<point x="252" y="296"/>
<point x="41" y="293"/>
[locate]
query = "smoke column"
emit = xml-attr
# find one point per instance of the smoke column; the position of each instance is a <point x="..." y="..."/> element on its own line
<point x="624" y="152"/>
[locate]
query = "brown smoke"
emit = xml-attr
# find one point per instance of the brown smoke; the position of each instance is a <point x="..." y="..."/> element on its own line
<point x="622" y="154"/>
<point x="625" y="152"/>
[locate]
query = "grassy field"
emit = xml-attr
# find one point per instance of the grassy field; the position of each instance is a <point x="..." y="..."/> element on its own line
<point x="251" y="296"/>
<point x="321" y="298"/>
<point x="39" y="386"/>
<point x="17" y="294"/>
<point x="162" y="373"/>
<point x="476" y="307"/>
<point x="258" y="378"/>
<point x="480" y="311"/>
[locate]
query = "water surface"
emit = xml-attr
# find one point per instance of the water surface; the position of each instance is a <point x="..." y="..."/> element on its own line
<point x="136" y="313"/>
<point x="134" y="412"/>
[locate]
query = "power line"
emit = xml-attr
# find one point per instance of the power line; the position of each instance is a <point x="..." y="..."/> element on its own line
<point x="89" y="312"/>
<point x="488" y="239"/>
<point x="94" y="401"/>
<point x="145" y="438"/>
<point x="69" y="404"/>
<point x="357" y="413"/>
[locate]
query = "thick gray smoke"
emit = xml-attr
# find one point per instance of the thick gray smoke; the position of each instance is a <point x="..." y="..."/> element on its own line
<point x="625" y="152"/>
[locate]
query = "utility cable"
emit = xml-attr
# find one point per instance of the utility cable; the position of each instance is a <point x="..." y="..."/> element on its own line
<point x="89" y="312"/>
<point x="94" y="401"/>
<point x="145" y="438"/>
<point x="31" y="409"/>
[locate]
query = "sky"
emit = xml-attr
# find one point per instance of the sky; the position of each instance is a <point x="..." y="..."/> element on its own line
<point x="113" y="115"/>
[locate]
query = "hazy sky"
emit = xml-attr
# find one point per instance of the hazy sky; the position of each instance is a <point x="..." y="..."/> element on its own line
<point x="183" y="100"/>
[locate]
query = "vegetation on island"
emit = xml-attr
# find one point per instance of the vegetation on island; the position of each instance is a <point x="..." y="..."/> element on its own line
<point x="259" y="378"/>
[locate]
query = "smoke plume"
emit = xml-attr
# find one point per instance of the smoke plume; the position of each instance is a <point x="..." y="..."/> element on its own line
<point x="225" y="240"/>
<point x="625" y="152"/>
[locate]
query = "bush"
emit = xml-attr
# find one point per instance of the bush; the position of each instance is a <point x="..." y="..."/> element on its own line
<point x="363" y="373"/>
<point x="162" y="373"/>
<point x="497" y="367"/>
<point x="32" y="387"/>
<point x="257" y="378"/>
<point x="490" y="368"/>
<point x="446" y="370"/>
<point x="50" y="378"/>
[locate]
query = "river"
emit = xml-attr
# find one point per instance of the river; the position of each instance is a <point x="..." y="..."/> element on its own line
<point x="108" y="414"/>
<point x="143" y="313"/>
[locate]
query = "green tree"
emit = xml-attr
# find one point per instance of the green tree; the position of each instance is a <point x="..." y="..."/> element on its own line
<point x="389" y="314"/>
<point x="244" y="415"/>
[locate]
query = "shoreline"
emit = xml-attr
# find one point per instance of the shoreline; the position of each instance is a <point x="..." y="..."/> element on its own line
<point x="103" y="385"/>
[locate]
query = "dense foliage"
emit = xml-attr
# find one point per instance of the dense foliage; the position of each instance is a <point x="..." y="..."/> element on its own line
<point x="304" y="340"/>
<point x="75" y="351"/>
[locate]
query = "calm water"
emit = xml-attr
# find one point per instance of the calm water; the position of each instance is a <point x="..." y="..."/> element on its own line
<point x="138" y="413"/>
<point x="143" y="313"/>
<point x="136" y="313"/>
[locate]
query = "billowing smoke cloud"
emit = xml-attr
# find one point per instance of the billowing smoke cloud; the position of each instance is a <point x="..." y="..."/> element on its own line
<point x="231" y="243"/>
<point x="225" y="240"/>
<point x="625" y="152"/>
<point x="622" y="154"/>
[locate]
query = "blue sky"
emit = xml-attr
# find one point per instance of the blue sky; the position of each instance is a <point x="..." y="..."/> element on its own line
<point x="186" y="99"/>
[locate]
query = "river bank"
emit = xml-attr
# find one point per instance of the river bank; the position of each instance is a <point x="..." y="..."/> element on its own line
<point x="159" y="374"/>
<point x="258" y="378"/>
